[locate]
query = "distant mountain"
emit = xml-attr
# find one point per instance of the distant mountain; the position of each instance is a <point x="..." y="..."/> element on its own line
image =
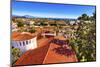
<point x="28" y="16"/>
<point x="18" y="16"/>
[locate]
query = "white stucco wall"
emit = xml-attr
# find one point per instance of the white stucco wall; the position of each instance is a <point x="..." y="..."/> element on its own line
<point x="32" y="43"/>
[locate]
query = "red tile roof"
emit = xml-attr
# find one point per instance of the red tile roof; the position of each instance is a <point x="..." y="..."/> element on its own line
<point x="14" y="34"/>
<point x="18" y="36"/>
<point x="44" y="55"/>
<point x="35" y="56"/>
<point x="52" y="57"/>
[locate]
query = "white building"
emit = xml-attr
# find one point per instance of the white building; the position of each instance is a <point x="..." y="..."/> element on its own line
<point x="24" y="41"/>
<point x="14" y="26"/>
<point x="29" y="22"/>
<point x="72" y="22"/>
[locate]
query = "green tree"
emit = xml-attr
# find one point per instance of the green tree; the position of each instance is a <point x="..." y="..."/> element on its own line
<point x="42" y="24"/>
<point x="20" y="24"/>
<point x="80" y="18"/>
<point x="15" y="55"/>
<point x="32" y="30"/>
<point x="84" y="17"/>
<point x="94" y="15"/>
<point x="84" y="42"/>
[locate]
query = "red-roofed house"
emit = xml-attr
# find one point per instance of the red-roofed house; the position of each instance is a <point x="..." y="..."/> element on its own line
<point x="24" y="41"/>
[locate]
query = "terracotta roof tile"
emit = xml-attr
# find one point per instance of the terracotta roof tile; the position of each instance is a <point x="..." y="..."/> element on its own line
<point x="14" y="34"/>
<point x="35" y="56"/>
<point x="18" y="36"/>
<point x="53" y="57"/>
<point x="44" y="55"/>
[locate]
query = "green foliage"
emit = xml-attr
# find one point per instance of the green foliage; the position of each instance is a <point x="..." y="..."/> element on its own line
<point x="42" y="24"/>
<point x="32" y="30"/>
<point x="20" y="24"/>
<point x="94" y="15"/>
<point x="84" y="17"/>
<point x="16" y="52"/>
<point x="84" y="42"/>
<point x="15" y="55"/>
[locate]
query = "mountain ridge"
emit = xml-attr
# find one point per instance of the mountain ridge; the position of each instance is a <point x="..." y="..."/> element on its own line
<point x="29" y="16"/>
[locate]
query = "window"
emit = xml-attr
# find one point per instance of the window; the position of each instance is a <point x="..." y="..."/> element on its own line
<point x="20" y="43"/>
<point x="26" y="42"/>
<point x="23" y="43"/>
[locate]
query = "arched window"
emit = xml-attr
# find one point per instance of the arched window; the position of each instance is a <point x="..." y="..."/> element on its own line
<point x="20" y="43"/>
<point x="26" y="42"/>
<point x="23" y="43"/>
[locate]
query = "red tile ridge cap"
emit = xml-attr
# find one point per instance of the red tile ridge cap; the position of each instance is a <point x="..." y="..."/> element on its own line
<point x="46" y="54"/>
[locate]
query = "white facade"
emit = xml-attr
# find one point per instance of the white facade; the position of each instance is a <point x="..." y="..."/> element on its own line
<point x="52" y="34"/>
<point x="14" y="27"/>
<point x="29" y="22"/>
<point x="25" y="45"/>
<point x="72" y="22"/>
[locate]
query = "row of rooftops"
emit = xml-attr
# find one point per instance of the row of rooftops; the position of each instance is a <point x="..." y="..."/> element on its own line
<point x="43" y="54"/>
<point x="21" y="36"/>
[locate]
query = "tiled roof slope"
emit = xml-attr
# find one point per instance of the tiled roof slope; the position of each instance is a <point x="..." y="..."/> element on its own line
<point x="44" y="55"/>
<point x="52" y="57"/>
<point x="18" y="36"/>
<point x="35" y="56"/>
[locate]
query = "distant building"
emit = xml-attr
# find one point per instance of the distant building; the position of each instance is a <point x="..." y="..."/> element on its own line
<point x="78" y="21"/>
<point x="48" y="34"/>
<point x="72" y="22"/>
<point x="14" y="26"/>
<point x="28" y="22"/>
<point x="24" y="41"/>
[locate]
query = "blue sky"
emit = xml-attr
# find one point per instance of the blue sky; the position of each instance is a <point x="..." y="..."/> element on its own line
<point x="50" y="10"/>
